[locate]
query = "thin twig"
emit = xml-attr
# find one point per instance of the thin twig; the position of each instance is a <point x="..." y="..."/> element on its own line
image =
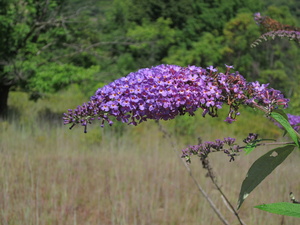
<point x="213" y="206"/>
<point x="270" y="143"/>
<point x="206" y="165"/>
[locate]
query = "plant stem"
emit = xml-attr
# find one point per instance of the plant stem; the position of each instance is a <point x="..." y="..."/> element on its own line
<point x="213" y="179"/>
<point x="212" y="205"/>
<point x="272" y="143"/>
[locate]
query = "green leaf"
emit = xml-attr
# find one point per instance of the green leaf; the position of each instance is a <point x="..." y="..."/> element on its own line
<point x="281" y="208"/>
<point x="251" y="146"/>
<point x="261" y="168"/>
<point x="281" y="118"/>
<point x="282" y="113"/>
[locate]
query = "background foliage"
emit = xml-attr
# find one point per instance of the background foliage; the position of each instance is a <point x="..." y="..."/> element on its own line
<point x="46" y="45"/>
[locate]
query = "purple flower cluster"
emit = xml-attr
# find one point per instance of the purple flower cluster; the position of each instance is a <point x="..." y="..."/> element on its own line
<point x="165" y="91"/>
<point x="202" y="150"/>
<point x="268" y="98"/>
<point x="294" y="121"/>
<point x="251" y="138"/>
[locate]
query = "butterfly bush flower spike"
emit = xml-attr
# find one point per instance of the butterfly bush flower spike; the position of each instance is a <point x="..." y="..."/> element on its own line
<point x="166" y="91"/>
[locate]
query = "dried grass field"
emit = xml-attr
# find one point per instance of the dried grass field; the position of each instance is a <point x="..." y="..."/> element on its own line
<point x="127" y="175"/>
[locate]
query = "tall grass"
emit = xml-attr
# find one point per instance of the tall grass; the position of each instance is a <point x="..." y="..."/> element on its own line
<point x="123" y="175"/>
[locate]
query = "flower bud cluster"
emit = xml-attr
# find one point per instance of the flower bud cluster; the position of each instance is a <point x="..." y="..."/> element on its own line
<point x="251" y="138"/>
<point x="165" y="91"/>
<point x="202" y="150"/>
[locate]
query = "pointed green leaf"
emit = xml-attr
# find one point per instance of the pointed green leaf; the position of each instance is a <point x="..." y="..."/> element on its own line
<point x="282" y="113"/>
<point x="249" y="148"/>
<point x="261" y="168"/>
<point x="282" y="119"/>
<point x="281" y="208"/>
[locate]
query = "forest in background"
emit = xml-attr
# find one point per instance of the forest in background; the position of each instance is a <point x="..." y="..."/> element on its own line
<point x="47" y="45"/>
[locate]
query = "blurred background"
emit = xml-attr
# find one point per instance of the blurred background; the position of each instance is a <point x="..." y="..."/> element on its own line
<point x="55" y="54"/>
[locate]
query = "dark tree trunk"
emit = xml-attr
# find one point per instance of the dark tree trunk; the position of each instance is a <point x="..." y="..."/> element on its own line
<point x="4" y="90"/>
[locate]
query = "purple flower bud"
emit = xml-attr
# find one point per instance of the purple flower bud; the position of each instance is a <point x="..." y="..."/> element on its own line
<point x="229" y="120"/>
<point x="212" y="69"/>
<point x="229" y="67"/>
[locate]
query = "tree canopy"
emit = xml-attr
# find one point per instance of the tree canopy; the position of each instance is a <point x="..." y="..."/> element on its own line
<point x="37" y="42"/>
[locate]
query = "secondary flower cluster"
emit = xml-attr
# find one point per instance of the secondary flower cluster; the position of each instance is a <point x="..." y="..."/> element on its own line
<point x="275" y="29"/>
<point x="165" y="91"/>
<point x="202" y="150"/>
<point x="290" y="34"/>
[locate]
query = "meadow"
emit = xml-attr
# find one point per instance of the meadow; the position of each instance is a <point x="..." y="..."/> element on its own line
<point x="125" y="174"/>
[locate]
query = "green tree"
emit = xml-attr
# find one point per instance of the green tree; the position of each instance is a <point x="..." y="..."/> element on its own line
<point x="151" y="40"/>
<point x="38" y="39"/>
<point x="208" y="50"/>
<point x="239" y="33"/>
<point x="174" y="32"/>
